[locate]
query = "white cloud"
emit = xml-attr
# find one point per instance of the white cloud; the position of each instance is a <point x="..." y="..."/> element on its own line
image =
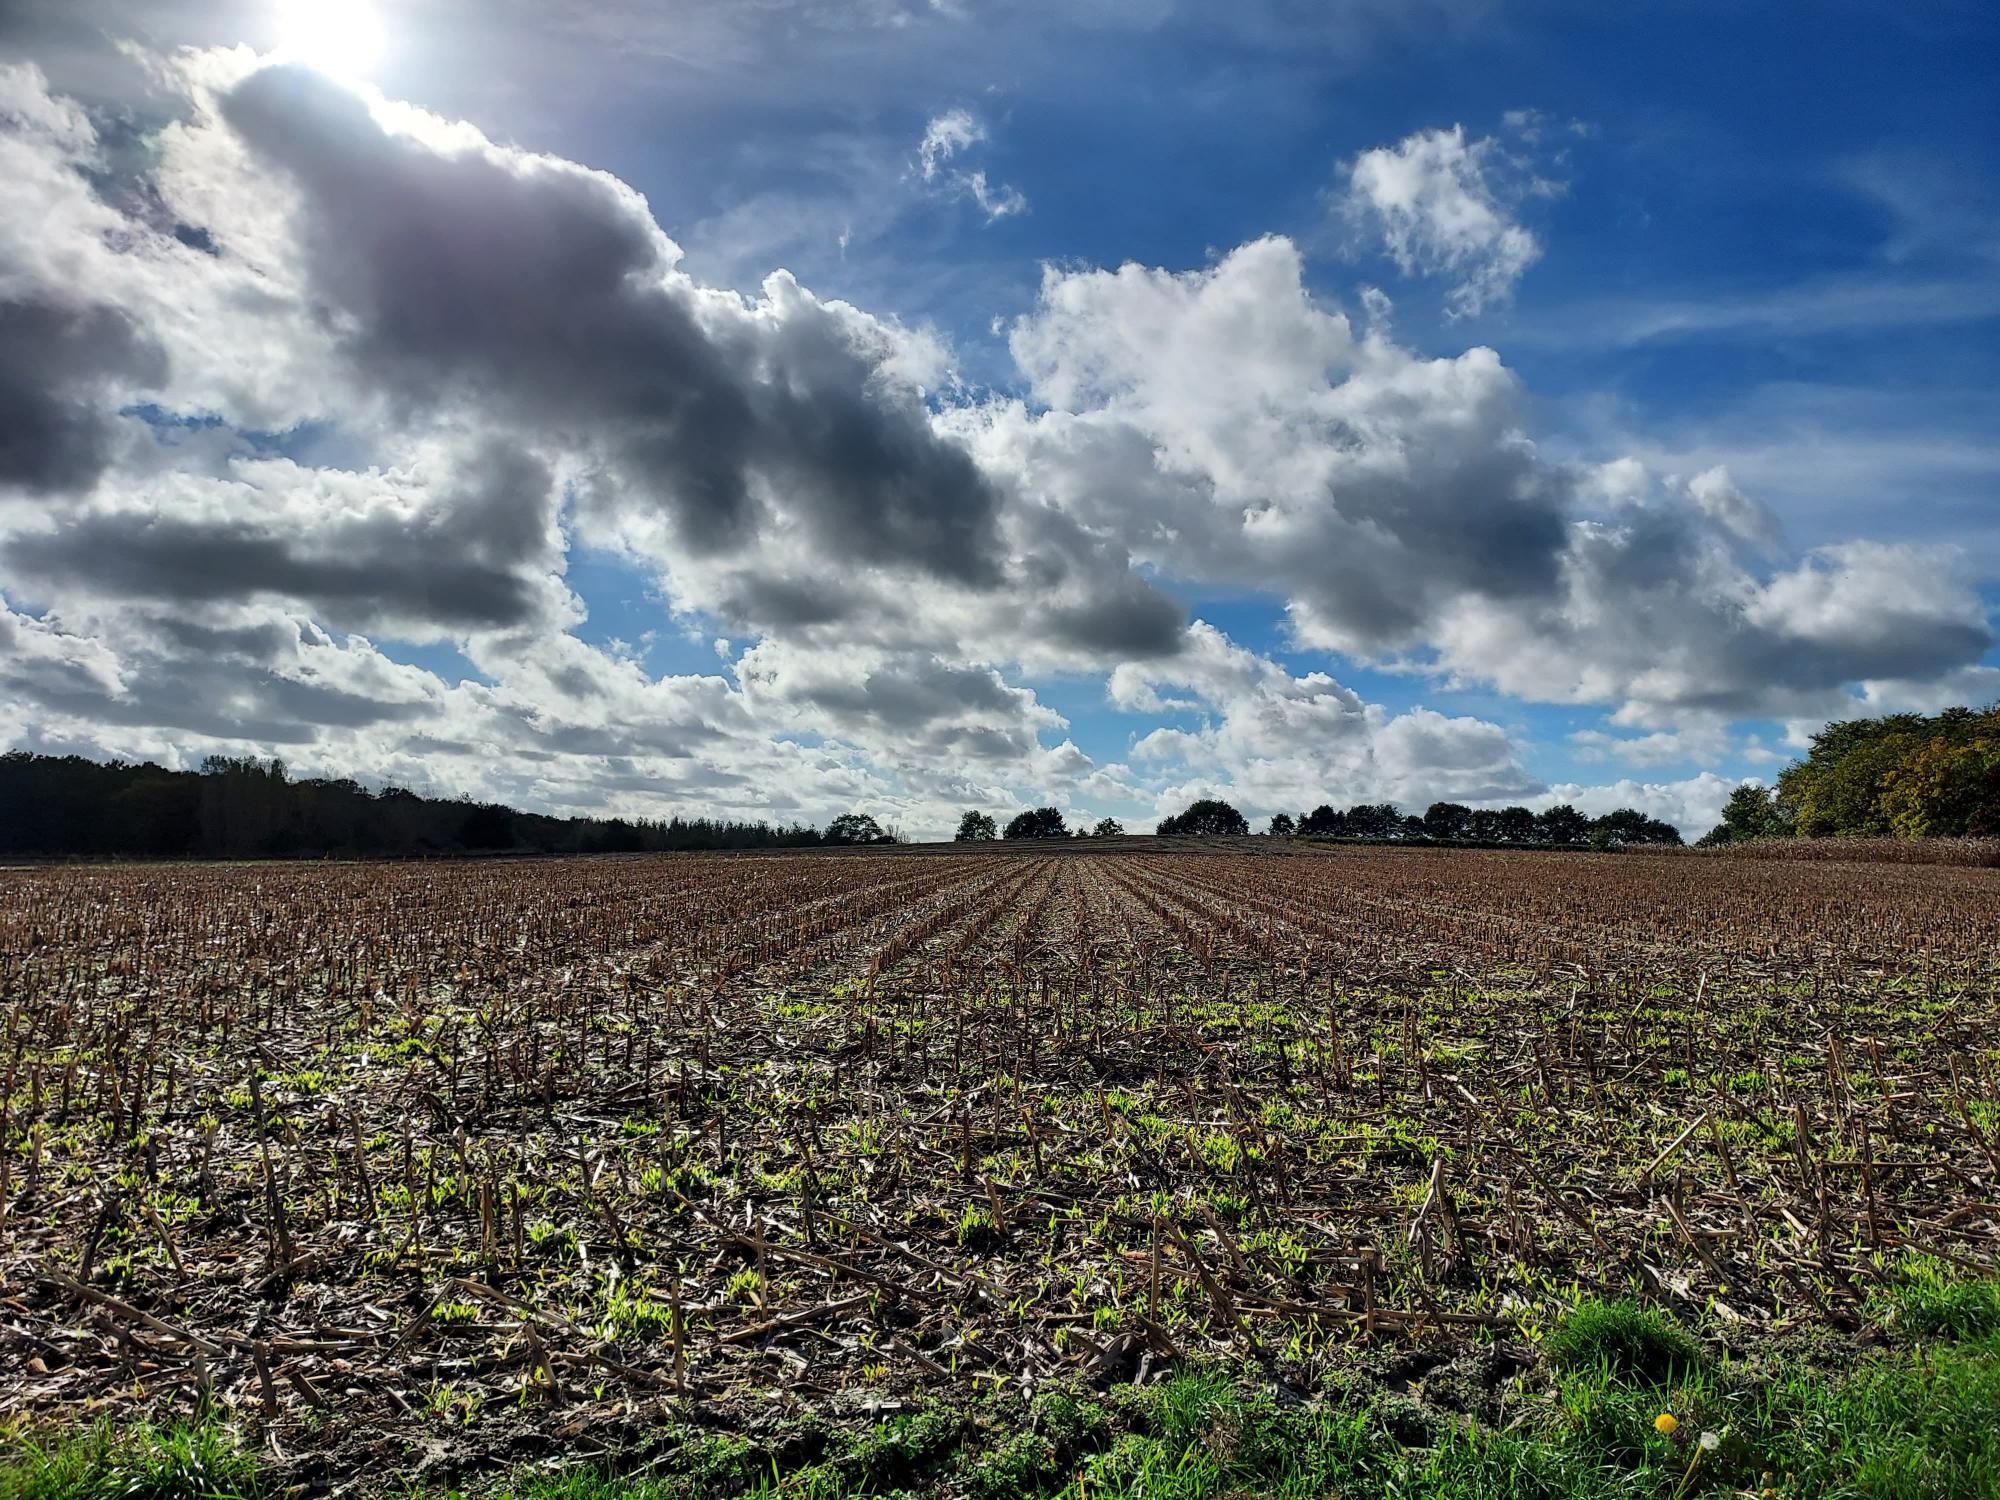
<point x="488" y="357"/>
<point x="1279" y="743"/>
<point x="1445" y="206"/>
<point x="944" y="137"/>
<point x="1693" y="806"/>
<point x="947" y="136"/>
<point x="1735" y="512"/>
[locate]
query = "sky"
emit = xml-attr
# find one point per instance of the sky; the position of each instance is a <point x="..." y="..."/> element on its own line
<point x="774" y="409"/>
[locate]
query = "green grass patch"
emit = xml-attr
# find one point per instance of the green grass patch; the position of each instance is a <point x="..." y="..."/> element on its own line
<point x="196" y="1462"/>
<point x="1930" y="1301"/>
<point x="1623" y="1337"/>
<point x="1919" y="1421"/>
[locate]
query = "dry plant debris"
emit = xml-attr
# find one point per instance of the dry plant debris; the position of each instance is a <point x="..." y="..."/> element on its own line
<point x="490" y="1156"/>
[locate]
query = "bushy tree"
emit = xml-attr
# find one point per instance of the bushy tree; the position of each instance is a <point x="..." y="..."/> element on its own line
<point x="1834" y="790"/>
<point x="1107" y="828"/>
<point x="1374" y="820"/>
<point x="1516" y="825"/>
<point x="1446" y="820"/>
<point x="1945" y="790"/>
<point x="1282" y="825"/>
<point x="1561" y="824"/>
<point x="1904" y="774"/>
<point x="976" y="828"/>
<point x="1206" y="818"/>
<point x="856" y="828"/>
<point x="1627" y="825"/>
<point x="1324" y="822"/>
<point x="1038" y="823"/>
<point x="1752" y="812"/>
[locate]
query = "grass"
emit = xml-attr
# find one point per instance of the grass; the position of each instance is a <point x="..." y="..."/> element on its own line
<point x="136" y="1463"/>
<point x="1919" y="1421"/>
<point x="1624" y="1337"/>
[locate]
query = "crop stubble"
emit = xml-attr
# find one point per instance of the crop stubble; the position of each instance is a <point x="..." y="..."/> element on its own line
<point x="506" y="1147"/>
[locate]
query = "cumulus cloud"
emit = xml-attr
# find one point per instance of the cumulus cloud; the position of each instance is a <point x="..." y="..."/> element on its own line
<point x="1693" y="806"/>
<point x="1280" y="742"/>
<point x="1441" y="205"/>
<point x="466" y="540"/>
<point x="1233" y="427"/>
<point x="295" y="370"/>
<point x="1735" y="512"/>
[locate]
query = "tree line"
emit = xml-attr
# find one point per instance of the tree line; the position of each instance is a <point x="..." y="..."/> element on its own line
<point x="1036" y="823"/>
<point x="1911" y="776"/>
<point x="68" y="806"/>
<point x="1441" y="822"/>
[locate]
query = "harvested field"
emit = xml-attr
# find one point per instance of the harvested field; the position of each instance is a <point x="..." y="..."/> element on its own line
<point x="499" y="1155"/>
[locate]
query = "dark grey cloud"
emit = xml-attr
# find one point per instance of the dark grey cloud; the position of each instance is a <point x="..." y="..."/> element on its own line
<point x="543" y="293"/>
<point x="217" y="698"/>
<point x="1119" y="616"/>
<point x="57" y="361"/>
<point x="476" y="559"/>
<point x="912" y="693"/>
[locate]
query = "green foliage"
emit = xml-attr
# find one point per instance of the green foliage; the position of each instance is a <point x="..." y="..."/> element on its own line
<point x="236" y="807"/>
<point x="903" y="1450"/>
<point x="977" y="1231"/>
<point x="1752" y="812"/>
<point x="1907" y="775"/>
<point x="1627" y="825"/>
<point x="976" y="828"/>
<point x="858" y="828"/>
<point x="1625" y="1337"/>
<point x="1060" y="1428"/>
<point x="1203" y="819"/>
<point x="1038" y="823"/>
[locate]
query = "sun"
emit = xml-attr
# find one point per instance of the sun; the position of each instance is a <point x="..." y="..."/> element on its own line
<point x="340" y="37"/>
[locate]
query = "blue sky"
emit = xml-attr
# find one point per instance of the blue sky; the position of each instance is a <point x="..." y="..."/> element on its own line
<point x="1736" y="267"/>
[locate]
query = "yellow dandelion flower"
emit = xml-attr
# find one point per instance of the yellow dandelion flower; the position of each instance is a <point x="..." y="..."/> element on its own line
<point x="1665" y="1423"/>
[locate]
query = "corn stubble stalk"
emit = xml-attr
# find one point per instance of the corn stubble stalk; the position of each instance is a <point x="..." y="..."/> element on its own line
<point x="706" y="1126"/>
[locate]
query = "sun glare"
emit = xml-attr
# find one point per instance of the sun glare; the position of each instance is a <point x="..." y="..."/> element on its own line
<point x="340" y="37"/>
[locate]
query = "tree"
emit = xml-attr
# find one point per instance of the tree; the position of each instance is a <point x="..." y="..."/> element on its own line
<point x="1627" y="825"/>
<point x="1904" y="774"/>
<point x="1517" y="825"/>
<point x="1204" y="819"/>
<point x="1374" y="820"/>
<point x="490" y="826"/>
<point x="1107" y="828"/>
<point x="1282" y="825"/>
<point x="855" y="828"/>
<point x="976" y="828"/>
<point x="1751" y="812"/>
<point x="1038" y="823"/>
<point x="1943" y="790"/>
<point x="1561" y="824"/>
<point x="1483" y="825"/>
<point x="1323" y="822"/>
<point x="1446" y="820"/>
<point x="1835" y="789"/>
